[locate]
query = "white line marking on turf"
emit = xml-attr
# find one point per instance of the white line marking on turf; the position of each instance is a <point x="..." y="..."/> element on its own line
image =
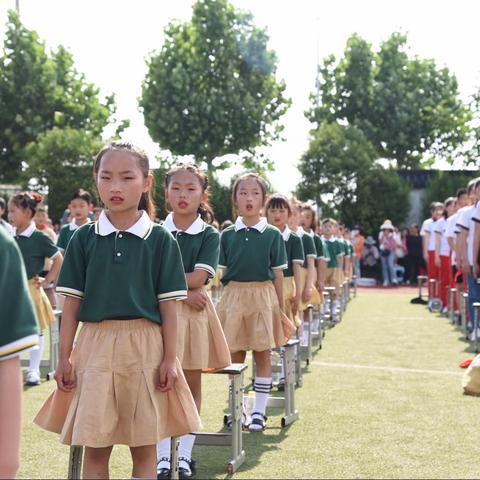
<point x="387" y="369"/>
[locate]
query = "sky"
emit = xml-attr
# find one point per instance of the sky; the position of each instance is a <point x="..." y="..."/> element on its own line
<point x="110" y="40"/>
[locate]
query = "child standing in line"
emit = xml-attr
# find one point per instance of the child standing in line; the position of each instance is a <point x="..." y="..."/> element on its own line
<point x="79" y="207"/>
<point x="335" y="265"/>
<point x="122" y="277"/>
<point x="18" y="333"/>
<point x="443" y="252"/>
<point x="428" y="236"/>
<point x="278" y="213"/>
<point x="253" y="256"/>
<point x="201" y="343"/>
<point x="35" y="247"/>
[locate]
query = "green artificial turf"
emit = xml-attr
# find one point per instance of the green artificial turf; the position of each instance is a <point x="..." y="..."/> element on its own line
<point x="354" y="422"/>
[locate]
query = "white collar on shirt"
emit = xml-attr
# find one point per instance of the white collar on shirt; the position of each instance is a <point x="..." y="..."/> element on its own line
<point x="196" y="227"/>
<point x="28" y="231"/>
<point x="141" y="229"/>
<point x="73" y="225"/>
<point x="260" y="226"/>
<point x="286" y="233"/>
<point x="300" y="232"/>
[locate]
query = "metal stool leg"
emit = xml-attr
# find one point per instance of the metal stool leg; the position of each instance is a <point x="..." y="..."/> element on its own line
<point x="75" y="463"/>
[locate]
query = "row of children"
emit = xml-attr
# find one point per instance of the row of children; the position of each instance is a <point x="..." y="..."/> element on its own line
<point x="451" y="243"/>
<point x="149" y="328"/>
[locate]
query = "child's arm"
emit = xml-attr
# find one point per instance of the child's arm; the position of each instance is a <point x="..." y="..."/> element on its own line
<point x="196" y="279"/>
<point x="168" y="368"/>
<point x="476" y="248"/>
<point x="321" y="274"/>
<point x="195" y="297"/>
<point x="340" y="261"/>
<point x="297" y="278"/>
<point x="278" y="284"/>
<point x="63" y="374"/>
<point x="438" y="239"/>
<point x="52" y="275"/>
<point x="425" y="242"/>
<point x="307" y="290"/>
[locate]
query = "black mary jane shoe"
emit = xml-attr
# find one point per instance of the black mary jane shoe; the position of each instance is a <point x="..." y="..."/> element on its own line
<point x="164" y="473"/>
<point x="184" y="473"/>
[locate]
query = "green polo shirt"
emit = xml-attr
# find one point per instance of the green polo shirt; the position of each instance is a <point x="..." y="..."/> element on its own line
<point x="66" y="233"/>
<point x="121" y="275"/>
<point x="322" y="251"/>
<point x="308" y="247"/>
<point x="199" y="244"/>
<point x="35" y="247"/>
<point x="18" y="327"/>
<point x="294" y="248"/>
<point x="251" y="254"/>
<point x="334" y="248"/>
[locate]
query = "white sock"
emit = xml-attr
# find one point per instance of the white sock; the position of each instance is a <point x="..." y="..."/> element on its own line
<point x="36" y="355"/>
<point x="185" y="449"/>
<point x="163" y="451"/>
<point x="262" y="390"/>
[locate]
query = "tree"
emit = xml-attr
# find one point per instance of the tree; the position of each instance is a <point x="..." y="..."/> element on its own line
<point x="61" y="162"/>
<point x="444" y="185"/>
<point x="212" y="90"/>
<point x="39" y="91"/>
<point x="408" y="108"/>
<point x="334" y="164"/>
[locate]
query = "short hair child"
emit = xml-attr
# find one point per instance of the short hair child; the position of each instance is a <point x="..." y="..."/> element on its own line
<point x="253" y="256"/>
<point x="201" y="344"/>
<point x="79" y="206"/>
<point x="35" y="247"/>
<point x="121" y="277"/>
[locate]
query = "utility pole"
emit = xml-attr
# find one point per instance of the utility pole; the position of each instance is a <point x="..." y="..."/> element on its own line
<point x="17" y="6"/>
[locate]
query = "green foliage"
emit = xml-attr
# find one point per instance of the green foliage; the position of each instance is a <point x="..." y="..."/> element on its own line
<point x="339" y="174"/>
<point x="442" y="186"/>
<point x="220" y="199"/>
<point x="61" y="162"/>
<point x="39" y="92"/>
<point x="408" y="108"/>
<point x="212" y="90"/>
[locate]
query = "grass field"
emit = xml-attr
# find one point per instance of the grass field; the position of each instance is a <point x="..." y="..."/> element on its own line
<point x="383" y="399"/>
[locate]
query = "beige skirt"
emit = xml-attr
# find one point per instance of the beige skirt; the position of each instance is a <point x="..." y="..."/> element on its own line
<point x="334" y="278"/>
<point x="43" y="309"/>
<point x="201" y="343"/>
<point x="288" y="296"/>
<point x="315" y="299"/>
<point x="116" y="363"/>
<point x="251" y="317"/>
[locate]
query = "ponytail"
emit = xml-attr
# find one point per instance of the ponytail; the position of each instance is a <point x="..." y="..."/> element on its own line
<point x="146" y="203"/>
<point x="206" y="212"/>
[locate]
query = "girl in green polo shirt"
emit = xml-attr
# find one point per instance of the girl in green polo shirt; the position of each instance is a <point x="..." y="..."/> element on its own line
<point x="36" y="247"/>
<point x="201" y="344"/>
<point x="18" y="333"/>
<point x="253" y="256"/>
<point x="122" y="276"/>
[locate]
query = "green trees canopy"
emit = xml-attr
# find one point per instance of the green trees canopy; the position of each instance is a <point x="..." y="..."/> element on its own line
<point x="62" y="160"/>
<point x="408" y="108"/>
<point x="212" y="89"/>
<point x="39" y="91"/>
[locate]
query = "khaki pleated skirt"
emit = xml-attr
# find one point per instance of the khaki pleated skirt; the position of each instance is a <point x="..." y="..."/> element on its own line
<point x="334" y="278"/>
<point x="251" y="317"/>
<point x="43" y="309"/>
<point x="315" y="299"/>
<point x="201" y="343"/>
<point x="116" y="364"/>
<point x="289" y="292"/>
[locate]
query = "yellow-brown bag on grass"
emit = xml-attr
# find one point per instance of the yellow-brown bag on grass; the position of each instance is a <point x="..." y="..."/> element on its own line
<point x="471" y="378"/>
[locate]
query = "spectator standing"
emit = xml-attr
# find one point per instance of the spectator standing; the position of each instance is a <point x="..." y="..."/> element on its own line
<point x="387" y="253"/>
<point x="415" y="259"/>
<point x="369" y="261"/>
<point x="358" y="242"/>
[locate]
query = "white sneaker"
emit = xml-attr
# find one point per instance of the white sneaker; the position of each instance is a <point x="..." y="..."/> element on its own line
<point x="33" y="378"/>
<point x="472" y="335"/>
<point x="385" y="283"/>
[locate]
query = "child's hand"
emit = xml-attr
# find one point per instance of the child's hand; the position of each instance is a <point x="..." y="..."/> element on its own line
<point x="307" y="294"/>
<point x="167" y="375"/>
<point x="65" y="377"/>
<point x="196" y="299"/>
<point x="320" y="286"/>
<point x="37" y="281"/>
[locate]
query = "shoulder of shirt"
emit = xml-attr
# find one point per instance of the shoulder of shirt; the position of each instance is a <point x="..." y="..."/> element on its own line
<point x="228" y="230"/>
<point x="210" y="230"/>
<point x="65" y="227"/>
<point x="273" y="229"/>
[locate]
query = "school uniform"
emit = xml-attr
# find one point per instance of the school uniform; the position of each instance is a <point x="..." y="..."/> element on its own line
<point x="428" y="227"/>
<point x="249" y="311"/>
<point x="295" y="254"/>
<point x="35" y="247"/>
<point x="18" y="326"/>
<point x="334" y="276"/>
<point x="446" y="276"/>
<point x="10" y="230"/>
<point x="322" y="256"/>
<point x="120" y="277"/>
<point x="66" y="233"/>
<point x="201" y="342"/>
